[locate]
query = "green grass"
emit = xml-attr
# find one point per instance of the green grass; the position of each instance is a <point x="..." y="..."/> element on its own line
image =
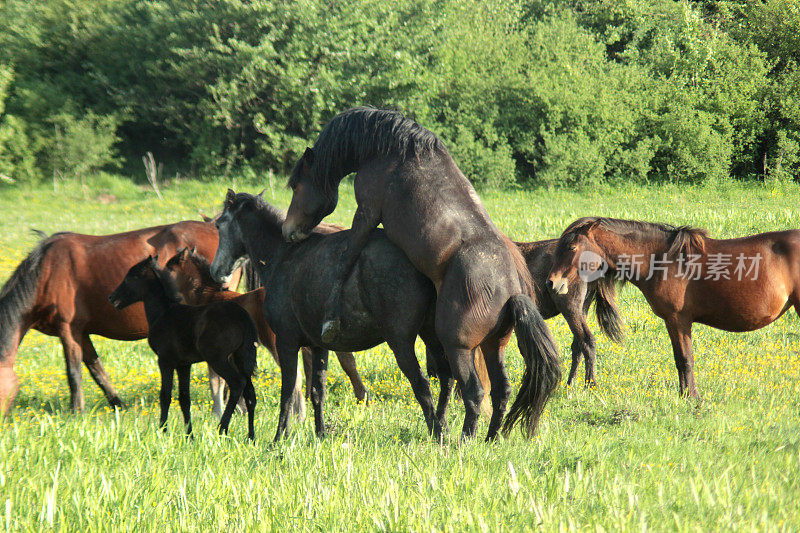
<point x="627" y="455"/>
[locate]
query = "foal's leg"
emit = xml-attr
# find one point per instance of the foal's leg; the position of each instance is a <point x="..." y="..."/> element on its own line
<point x="185" y="401"/>
<point x="319" y="378"/>
<point x="250" y="400"/>
<point x="365" y="220"/>
<point x="407" y="361"/>
<point x="305" y="353"/>
<point x="98" y="372"/>
<point x="165" y="396"/>
<point x="348" y="363"/>
<point x="236" y="382"/>
<point x="494" y="356"/>
<point x="681" y="336"/>
<point x="72" y="357"/>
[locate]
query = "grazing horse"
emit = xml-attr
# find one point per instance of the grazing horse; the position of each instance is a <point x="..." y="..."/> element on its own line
<point x="730" y="284"/>
<point x="220" y="333"/>
<point x="407" y="181"/>
<point x="192" y="276"/>
<point x="386" y="299"/>
<point x="62" y="287"/>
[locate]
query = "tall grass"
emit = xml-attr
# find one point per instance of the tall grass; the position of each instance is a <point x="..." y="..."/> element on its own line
<point x="627" y="455"/>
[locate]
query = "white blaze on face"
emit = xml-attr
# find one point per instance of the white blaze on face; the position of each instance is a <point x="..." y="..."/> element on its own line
<point x="591" y="266"/>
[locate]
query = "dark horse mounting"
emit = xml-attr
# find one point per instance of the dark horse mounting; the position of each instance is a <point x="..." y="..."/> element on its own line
<point x="731" y="284"/>
<point x="219" y="333"/>
<point x="386" y="299"/>
<point x="407" y="181"/>
<point x="192" y="276"/>
<point x="62" y="289"/>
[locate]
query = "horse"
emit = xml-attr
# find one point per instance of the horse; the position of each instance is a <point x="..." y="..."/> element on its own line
<point x="407" y="181"/>
<point x="736" y="285"/>
<point x="220" y="333"/>
<point x="386" y="300"/>
<point x="61" y="289"/>
<point x="573" y="306"/>
<point x="192" y="276"/>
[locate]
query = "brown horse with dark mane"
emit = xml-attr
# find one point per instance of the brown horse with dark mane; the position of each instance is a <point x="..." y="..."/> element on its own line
<point x="192" y="277"/>
<point x="407" y="181"/>
<point x="62" y="288"/>
<point x="738" y="284"/>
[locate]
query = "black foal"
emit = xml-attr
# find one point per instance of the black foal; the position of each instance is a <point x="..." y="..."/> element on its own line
<point x="220" y="333"/>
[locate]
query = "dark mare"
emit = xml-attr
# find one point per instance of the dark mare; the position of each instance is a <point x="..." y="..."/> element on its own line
<point x="386" y="300"/>
<point x="731" y="284"/>
<point x="192" y="276"/>
<point x="62" y="288"/>
<point x="220" y="333"/>
<point x="407" y="181"/>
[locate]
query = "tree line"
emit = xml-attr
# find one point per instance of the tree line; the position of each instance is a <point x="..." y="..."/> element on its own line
<point x="522" y="92"/>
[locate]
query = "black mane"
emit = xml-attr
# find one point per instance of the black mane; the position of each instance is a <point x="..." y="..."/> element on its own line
<point x="678" y="238"/>
<point x="273" y="216"/>
<point x="359" y="134"/>
<point x="168" y="285"/>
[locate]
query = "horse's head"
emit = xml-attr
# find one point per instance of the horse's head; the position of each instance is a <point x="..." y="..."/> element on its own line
<point x="184" y="270"/>
<point x="136" y="283"/>
<point x="231" y="251"/>
<point x="577" y="256"/>
<point x="310" y="202"/>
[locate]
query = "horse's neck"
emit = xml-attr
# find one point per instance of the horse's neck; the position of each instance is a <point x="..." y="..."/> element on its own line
<point x="624" y="252"/>
<point x="156" y="303"/>
<point x="264" y="250"/>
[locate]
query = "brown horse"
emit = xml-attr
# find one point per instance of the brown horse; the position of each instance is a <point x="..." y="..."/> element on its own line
<point x="573" y="305"/>
<point x="407" y="181"/>
<point x="730" y="284"/>
<point x="62" y="288"/>
<point x="192" y="277"/>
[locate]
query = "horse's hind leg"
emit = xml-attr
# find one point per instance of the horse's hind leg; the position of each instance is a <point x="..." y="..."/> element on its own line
<point x="184" y="399"/>
<point x="407" y="361"/>
<point x="72" y="358"/>
<point x="435" y="355"/>
<point x="217" y="386"/>
<point x="249" y="395"/>
<point x="348" y="363"/>
<point x="494" y="356"/>
<point x="9" y="385"/>
<point x="287" y="353"/>
<point x="98" y="372"/>
<point x="462" y="363"/>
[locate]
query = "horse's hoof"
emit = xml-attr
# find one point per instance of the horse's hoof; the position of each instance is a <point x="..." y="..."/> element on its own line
<point x="330" y="330"/>
<point x="117" y="403"/>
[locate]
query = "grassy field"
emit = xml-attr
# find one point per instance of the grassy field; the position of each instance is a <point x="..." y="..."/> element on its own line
<point x="627" y="455"/>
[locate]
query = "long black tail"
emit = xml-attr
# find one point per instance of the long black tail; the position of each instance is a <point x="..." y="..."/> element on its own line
<point x="606" y="309"/>
<point x="18" y="294"/>
<point x="542" y="367"/>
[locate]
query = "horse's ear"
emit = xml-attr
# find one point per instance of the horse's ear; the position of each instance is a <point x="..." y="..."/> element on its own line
<point x="194" y="250"/>
<point x="205" y="217"/>
<point x="230" y="197"/>
<point x="154" y="259"/>
<point x="261" y="194"/>
<point x="308" y="157"/>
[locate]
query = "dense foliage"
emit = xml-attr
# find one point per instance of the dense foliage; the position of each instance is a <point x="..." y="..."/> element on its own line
<point x="547" y="91"/>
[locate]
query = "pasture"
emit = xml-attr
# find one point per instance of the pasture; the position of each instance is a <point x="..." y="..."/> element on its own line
<point x="629" y="454"/>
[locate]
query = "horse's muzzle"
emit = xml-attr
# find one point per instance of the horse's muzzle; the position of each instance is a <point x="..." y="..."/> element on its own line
<point x="292" y="233"/>
<point x="116" y="302"/>
<point x="558" y="285"/>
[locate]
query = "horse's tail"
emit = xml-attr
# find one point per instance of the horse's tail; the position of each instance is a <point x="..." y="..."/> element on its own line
<point x="18" y="295"/>
<point x="542" y="367"/>
<point x="606" y="309"/>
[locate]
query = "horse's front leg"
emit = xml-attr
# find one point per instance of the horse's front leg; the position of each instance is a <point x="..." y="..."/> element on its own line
<point x="165" y="396"/>
<point x="184" y="375"/>
<point x="364" y="221"/>
<point x="319" y="378"/>
<point x="287" y="355"/>
<point x="680" y="333"/>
